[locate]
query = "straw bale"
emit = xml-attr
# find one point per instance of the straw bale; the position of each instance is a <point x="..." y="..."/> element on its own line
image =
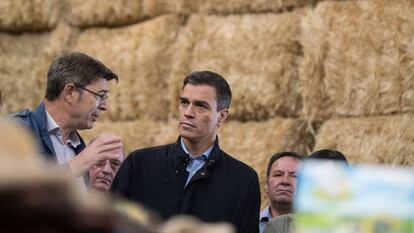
<point x="121" y="12"/>
<point x="137" y="134"/>
<point x="257" y="54"/>
<point x="140" y="55"/>
<point x="255" y="142"/>
<point x="103" y="12"/>
<point x="385" y="140"/>
<point x="152" y="8"/>
<point x="358" y="59"/>
<point x="28" y="15"/>
<point x="24" y="61"/>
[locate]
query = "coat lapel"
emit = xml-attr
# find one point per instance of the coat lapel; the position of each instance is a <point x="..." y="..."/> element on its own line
<point x="40" y="117"/>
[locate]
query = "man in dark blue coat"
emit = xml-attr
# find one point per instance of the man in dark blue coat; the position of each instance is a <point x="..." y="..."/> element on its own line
<point x="193" y="176"/>
<point x="76" y="95"/>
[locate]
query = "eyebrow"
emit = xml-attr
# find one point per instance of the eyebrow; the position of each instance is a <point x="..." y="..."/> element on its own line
<point x="286" y="171"/>
<point x="198" y="102"/>
<point x="201" y="102"/>
<point x="184" y="99"/>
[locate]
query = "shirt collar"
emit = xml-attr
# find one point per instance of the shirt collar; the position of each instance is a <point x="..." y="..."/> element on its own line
<point x="51" y="123"/>
<point x="53" y="128"/>
<point x="205" y="153"/>
<point x="265" y="215"/>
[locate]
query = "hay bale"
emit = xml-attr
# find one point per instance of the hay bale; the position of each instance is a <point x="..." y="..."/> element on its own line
<point x="255" y="142"/>
<point x="153" y="8"/>
<point x="137" y="134"/>
<point x="107" y="13"/>
<point x="114" y="13"/>
<point x="140" y="55"/>
<point x="24" y="61"/>
<point x="28" y="15"/>
<point x="257" y="54"/>
<point x="358" y="59"/>
<point x="384" y="140"/>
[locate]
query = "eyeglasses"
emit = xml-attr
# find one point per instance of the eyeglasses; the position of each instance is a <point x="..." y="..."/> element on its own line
<point x="102" y="97"/>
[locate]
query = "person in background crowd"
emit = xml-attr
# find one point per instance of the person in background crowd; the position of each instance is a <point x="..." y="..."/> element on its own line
<point x="103" y="172"/>
<point x="280" y="185"/>
<point x="76" y="95"/>
<point x="193" y="176"/>
<point x="284" y="223"/>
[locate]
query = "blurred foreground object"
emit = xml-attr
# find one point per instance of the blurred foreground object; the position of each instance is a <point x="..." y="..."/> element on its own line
<point x="34" y="198"/>
<point x="187" y="224"/>
<point x="333" y="197"/>
<point x="17" y="152"/>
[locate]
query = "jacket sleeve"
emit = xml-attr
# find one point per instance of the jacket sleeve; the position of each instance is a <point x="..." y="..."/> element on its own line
<point x="123" y="179"/>
<point x="250" y="222"/>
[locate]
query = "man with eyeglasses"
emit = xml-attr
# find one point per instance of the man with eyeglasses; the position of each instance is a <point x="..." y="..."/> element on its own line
<point x="76" y="95"/>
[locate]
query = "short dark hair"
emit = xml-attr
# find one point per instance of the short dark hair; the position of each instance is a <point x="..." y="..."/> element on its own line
<point x="77" y="68"/>
<point x="223" y="91"/>
<point x="280" y="155"/>
<point x="328" y="155"/>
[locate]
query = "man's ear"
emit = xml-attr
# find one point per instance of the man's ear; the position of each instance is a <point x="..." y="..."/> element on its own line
<point x="68" y="92"/>
<point x="266" y="188"/>
<point x="222" y="116"/>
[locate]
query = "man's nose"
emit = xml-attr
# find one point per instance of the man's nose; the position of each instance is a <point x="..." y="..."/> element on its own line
<point x="189" y="111"/>
<point x="107" y="168"/>
<point x="286" y="179"/>
<point x="103" y="105"/>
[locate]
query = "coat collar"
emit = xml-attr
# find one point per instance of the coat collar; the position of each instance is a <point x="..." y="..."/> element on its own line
<point x="180" y="158"/>
<point x="40" y="117"/>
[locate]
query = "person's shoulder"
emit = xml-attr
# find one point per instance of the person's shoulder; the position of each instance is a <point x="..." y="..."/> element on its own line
<point x="238" y="165"/>
<point x="23" y="117"/>
<point x="281" y="220"/>
<point x="150" y="152"/>
<point x="23" y="113"/>
<point x="279" y="224"/>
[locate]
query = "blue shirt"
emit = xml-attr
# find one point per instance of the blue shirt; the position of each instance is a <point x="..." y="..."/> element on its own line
<point x="196" y="162"/>
<point x="265" y="217"/>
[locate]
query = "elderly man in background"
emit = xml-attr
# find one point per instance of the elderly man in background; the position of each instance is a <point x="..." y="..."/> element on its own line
<point x="280" y="185"/>
<point x="103" y="172"/>
<point x="76" y="95"/>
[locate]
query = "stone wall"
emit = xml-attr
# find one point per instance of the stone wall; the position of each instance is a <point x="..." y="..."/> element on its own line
<point x="305" y="74"/>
